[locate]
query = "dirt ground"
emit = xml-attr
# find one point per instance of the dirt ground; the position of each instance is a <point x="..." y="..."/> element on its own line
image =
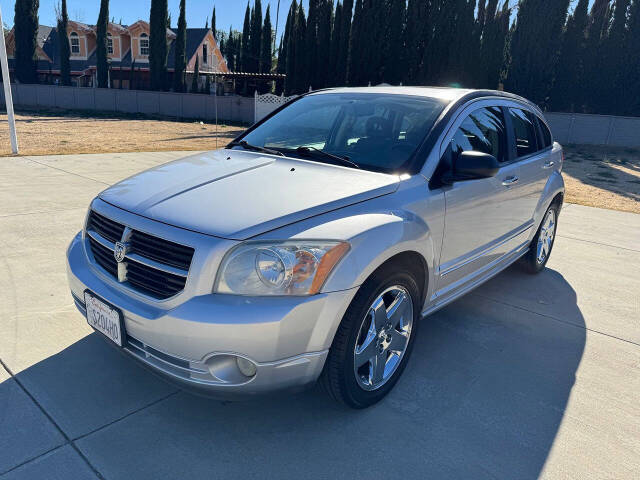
<point x="51" y="133"/>
<point x="606" y="177"/>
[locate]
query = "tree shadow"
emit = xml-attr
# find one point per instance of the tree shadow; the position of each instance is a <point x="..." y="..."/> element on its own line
<point x="482" y="397"/>
<point x="616" y="169"/>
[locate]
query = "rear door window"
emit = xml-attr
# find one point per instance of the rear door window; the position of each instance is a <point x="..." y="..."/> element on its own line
<point x="525" y="132"/>
<point x="482" y="131"/>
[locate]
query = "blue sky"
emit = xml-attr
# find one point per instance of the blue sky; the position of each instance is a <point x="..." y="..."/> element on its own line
<point x="228" y="12"/>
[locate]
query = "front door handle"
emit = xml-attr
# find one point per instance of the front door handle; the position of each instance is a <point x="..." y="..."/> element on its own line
<point x="507" y="182"/>
<point x="548" y="164"/>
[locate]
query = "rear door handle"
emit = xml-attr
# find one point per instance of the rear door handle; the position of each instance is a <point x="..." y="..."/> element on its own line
<point x="548" y="164"/>
<point x="509" y="181"/>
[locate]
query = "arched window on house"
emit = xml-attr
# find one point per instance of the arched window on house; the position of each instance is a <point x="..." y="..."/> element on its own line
<point x="144" y="44"/>
<point x="109" y="44"/>
<point x="75" y="43"/>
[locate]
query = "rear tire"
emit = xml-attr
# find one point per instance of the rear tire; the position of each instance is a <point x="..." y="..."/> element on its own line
<point x="364" y="361"/>
<point x="540" y="248"/>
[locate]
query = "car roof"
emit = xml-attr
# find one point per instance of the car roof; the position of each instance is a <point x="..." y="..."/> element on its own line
<point x="448" y="94"/>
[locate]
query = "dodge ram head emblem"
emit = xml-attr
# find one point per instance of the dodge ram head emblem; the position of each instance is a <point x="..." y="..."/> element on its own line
<point x="120" y="251"/>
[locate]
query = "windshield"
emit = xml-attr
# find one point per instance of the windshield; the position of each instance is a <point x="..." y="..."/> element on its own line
<point x="377" y="132"/>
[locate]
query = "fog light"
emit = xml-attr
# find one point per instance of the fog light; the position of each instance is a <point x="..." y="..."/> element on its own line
<point x="246" y="367"/>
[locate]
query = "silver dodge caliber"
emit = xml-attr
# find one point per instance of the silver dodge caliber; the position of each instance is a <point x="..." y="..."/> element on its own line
<point x="312" y="246"/>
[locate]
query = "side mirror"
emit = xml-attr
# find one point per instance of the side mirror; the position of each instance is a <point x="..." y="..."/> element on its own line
<point x="472" y="165"/>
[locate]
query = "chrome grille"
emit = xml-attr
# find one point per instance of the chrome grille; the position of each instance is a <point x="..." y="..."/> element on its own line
<point x="163" y="251"/>
<point x="109" y="229"/>
<point x="152" y="265"/>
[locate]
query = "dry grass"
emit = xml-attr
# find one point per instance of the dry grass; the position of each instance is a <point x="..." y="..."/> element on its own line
<point x="606" y="177"/>
<point x="52" y="132"/>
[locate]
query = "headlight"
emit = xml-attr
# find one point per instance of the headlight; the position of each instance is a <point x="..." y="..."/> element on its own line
<point x="287" y="268"/>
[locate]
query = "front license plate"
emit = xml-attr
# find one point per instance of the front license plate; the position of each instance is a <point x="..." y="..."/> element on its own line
<point x="104" y="318"/>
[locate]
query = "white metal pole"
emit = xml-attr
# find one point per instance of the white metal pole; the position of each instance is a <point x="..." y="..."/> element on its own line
<point x="215" y="89"/>
<point x="6" y="79"/>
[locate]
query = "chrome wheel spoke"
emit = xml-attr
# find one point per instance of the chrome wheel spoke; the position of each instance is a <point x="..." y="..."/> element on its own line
<point x="379" y="362"/>
<point x="398" y="310"/>
<point x="379" y="312"/>
<point x="383" y="338"/>
<point x="366" y="352"/>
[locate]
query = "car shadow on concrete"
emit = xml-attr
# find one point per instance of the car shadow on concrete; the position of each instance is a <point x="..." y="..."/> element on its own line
<point x="483" y="397"/>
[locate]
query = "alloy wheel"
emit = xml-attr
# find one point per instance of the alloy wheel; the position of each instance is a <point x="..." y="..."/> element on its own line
<point x="545" y="238"/>
<point x="383" y="338"/>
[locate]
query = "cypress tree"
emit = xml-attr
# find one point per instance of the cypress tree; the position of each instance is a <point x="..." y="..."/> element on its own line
<point x="245" y="56"/>
<point x="102" y="67"/>
<point x="493" y="44"/>
<point x="180" y="51"/>
<point x="284" y="40"/>
<point x="255" y="39"/>
<point x="207" y="85"/>
<point x="631" y="71"/>
<point x="213" y="22"/>
<point x="300" y="78"/>
<point x="345" y="36"/>
<point x="291" y="38"/>
<point x="26" y="34"/>
<point x="439" y="36"/>
<point x="63" y="45"/>
<point x="333" y="78"/>
<point x="158" y="44"/>
<point x="566" y="94"/>
<point x="266" y="55"/>
<point x="595" y="79"/>
<point x="196" y="76"/>
<point x="394" y="71"/>
<point x="416" y="36"/>
<point x="311" y="43"/>
<point x="374" y="32"/>
<point x="325" y="16"/>
<point x="357" y="47"/>
<point x="231" y="51"/>
<point x="615" y="98"/>
<point x="481" y="19"/>
<point x="534" y="46"/>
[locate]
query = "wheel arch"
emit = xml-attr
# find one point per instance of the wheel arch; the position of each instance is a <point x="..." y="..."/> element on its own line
<point x="412" y="261"/>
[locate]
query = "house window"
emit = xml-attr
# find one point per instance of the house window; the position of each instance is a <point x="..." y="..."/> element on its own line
<point x="144" y="44"/>
<point x="75" y="44"/>
<point x="109" y="44"/>
<point x="205" y="55"/>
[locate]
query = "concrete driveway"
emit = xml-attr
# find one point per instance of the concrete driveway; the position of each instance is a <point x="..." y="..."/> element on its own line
<point x="526" y="377"/>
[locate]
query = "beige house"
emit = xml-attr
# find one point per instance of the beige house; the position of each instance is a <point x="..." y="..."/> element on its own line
<point x="128" y="52"/>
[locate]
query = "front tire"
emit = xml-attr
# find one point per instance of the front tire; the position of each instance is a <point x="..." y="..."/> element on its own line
<point x="540" y="249"/>
<point x="374" y="340"/>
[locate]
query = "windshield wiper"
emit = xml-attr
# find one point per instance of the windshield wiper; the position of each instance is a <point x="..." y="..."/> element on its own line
<point x="247" y="146"/>
<point x="311" y="150"/>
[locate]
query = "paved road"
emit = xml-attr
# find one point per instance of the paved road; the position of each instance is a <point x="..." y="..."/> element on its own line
<point x="526" y="377"/>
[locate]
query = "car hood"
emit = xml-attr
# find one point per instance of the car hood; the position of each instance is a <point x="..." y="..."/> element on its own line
<point x="238" y="194"/>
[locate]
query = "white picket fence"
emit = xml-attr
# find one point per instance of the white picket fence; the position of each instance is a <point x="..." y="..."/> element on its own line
<point x="267" y="103"/>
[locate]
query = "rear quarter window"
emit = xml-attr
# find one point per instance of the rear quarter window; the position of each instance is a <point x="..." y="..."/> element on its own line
<point x="547" y="139"/>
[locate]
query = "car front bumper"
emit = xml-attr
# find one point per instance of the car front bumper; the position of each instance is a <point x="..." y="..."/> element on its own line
<point x="196" y="342"/>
